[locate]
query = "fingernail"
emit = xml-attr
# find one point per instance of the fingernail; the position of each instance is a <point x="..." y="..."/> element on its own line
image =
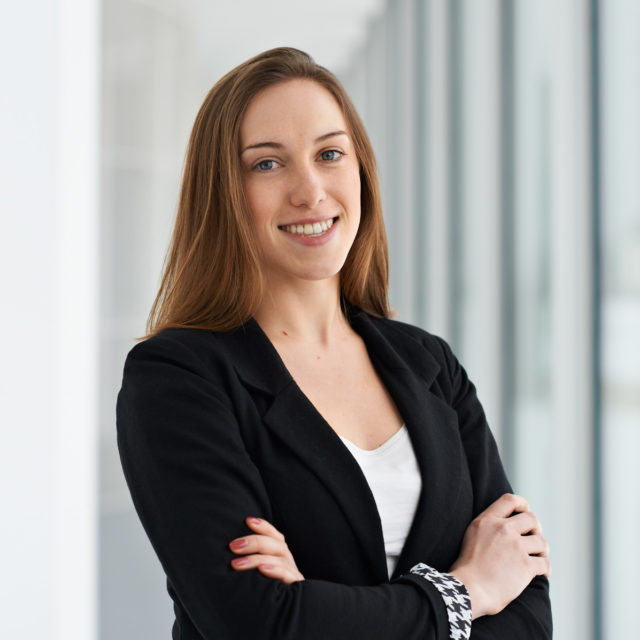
<point x="255" y="520"/>
<point x="268" y="567"/>
<point x="239" y="561"/>
<point x="238" y="544"/>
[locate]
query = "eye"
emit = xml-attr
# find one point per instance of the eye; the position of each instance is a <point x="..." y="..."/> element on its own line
<point x="331" y="155"/>
<point x="265" y="165"/>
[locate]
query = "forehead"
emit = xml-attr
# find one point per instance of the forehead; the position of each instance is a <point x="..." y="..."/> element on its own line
<point x="293" y="109"/>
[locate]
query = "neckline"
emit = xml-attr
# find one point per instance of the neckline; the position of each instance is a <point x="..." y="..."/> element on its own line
<point x="388" y="443"/>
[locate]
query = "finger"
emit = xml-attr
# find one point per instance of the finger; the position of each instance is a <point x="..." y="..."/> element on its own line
<point x="526" y="523"/>
<point x="287" y="576"/>
<point x="504" y="506"/>
<point x="542" y="566"/>
<point x="536" y="546"/>
<point x="255" y="560"/>
<point x="262" y="526"/>
<point x="259" y="544"/>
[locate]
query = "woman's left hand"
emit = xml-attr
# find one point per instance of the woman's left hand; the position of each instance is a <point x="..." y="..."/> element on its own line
<point x="266" y="551"/>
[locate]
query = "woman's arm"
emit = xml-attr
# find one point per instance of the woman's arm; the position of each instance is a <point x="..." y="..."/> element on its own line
<point x="502" y="551"/>
<point x="528" y="617"/>
<point x="193" y="483"/>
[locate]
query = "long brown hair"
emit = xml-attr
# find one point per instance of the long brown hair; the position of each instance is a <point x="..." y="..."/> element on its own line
<point x="212" y="277"/>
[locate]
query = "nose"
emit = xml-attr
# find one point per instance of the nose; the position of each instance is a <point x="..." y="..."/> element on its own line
<point x="306" y="189"/>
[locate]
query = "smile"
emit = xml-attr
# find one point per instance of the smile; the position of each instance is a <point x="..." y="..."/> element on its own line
<point x="309" y="230"/>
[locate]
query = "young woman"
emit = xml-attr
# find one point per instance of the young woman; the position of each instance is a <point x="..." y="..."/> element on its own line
<point x="304" y="466"/>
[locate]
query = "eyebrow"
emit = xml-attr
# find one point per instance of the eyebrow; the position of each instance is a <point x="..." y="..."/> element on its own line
<point x="278" y="145"/>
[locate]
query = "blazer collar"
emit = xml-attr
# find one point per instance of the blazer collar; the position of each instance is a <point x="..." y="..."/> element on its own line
<point x="407" y="369"/>
<point x="259" y="365"/>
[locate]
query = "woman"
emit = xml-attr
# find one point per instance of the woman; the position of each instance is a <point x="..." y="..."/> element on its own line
<point x="304" y="466"/>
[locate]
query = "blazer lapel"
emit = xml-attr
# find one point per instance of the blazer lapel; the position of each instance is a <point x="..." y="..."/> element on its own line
<point x="408" y="370"/>
<point x="432" y="427"/>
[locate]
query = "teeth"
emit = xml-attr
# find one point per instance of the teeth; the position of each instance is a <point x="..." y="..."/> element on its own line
<point x="315" y="229"/>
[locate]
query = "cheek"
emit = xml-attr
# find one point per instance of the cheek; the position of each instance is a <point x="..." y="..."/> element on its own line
<point x="259" y="203"/>
<point x="354" y="195"/>
<point x="354" y="181"/>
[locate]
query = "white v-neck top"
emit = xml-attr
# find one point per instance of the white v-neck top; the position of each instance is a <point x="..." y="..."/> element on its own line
<point x="394" y="478"/>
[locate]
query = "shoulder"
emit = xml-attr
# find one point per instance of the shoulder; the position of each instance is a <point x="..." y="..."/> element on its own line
<point x="173" y="340"/>
<point x="195" y="344"/>
<point x="173" y="344"/>
<point x="427" y="339"/>
<point x="224" y="358"/>
<point x="413" y="341"/>
<point x="425" y="354"/>
<point x="174" y="371"/>
<point x="177" y="351"/>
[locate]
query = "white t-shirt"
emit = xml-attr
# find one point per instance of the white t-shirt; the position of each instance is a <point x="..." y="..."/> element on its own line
<point x="394" y="479"/>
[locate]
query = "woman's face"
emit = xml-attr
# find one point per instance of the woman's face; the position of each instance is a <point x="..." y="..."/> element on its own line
<point x="302" y="181"/>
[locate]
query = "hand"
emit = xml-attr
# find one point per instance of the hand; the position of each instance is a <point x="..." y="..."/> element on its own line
<point x="501" y="553"/>
<point x="267" y="551"/>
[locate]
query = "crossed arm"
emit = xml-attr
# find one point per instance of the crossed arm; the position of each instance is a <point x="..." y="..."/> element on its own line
<point x="186" y="467"/>
<point x="501" y="554"/>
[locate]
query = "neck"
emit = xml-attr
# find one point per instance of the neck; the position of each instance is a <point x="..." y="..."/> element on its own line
<point x="307" y="311"/>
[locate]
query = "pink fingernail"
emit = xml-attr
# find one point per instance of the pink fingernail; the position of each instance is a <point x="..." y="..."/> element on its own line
<point x="240" y="561"/>
<point x="268" y="567"/>
<point x="238" y="544"/>
<point x="255" y="520"/>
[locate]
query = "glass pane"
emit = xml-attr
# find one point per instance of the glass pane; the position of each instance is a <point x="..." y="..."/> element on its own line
<point x="620" y="91"/>
<point x="532" y="268"/>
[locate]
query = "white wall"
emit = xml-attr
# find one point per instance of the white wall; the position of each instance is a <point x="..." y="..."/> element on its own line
<point x="48" y="278"/>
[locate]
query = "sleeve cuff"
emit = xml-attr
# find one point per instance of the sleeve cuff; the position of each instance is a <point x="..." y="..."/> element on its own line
<point x="455" y="597"/>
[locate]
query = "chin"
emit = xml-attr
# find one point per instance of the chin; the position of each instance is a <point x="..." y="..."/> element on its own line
<point x="319" y="274"/>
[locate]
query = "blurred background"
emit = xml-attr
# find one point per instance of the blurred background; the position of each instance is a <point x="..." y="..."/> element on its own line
<point x="508" y="139"/>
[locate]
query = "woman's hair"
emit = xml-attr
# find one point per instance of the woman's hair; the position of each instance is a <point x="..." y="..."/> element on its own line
<point x="212" y="277"/>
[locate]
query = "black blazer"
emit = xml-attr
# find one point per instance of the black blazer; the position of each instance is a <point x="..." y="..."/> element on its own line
<point x="212" y="429"/>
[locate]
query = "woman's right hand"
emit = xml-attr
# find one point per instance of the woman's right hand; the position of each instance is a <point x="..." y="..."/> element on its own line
<point x="501" y="554"/>
<point x="267" y="551"/>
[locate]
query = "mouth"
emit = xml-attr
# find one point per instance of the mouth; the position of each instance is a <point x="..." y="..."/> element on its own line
<point x="310" y="229"/>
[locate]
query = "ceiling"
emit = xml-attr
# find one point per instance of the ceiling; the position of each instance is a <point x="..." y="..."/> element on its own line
<point x="227" y="33"/>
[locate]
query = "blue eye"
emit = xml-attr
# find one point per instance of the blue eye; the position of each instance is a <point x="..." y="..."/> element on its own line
<point x="265" y="165"/>
<point x="330" y="154"/>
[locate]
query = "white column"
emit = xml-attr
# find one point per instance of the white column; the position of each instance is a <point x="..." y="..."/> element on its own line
<point x="48" y="407"/>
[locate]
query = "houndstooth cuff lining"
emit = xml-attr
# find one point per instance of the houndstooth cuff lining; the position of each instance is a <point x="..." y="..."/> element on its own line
<point x="455" y="597"/>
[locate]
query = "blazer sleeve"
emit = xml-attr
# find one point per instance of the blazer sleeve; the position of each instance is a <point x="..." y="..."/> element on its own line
<point x="528" y="617"/>
<point x="193" y="483"/>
